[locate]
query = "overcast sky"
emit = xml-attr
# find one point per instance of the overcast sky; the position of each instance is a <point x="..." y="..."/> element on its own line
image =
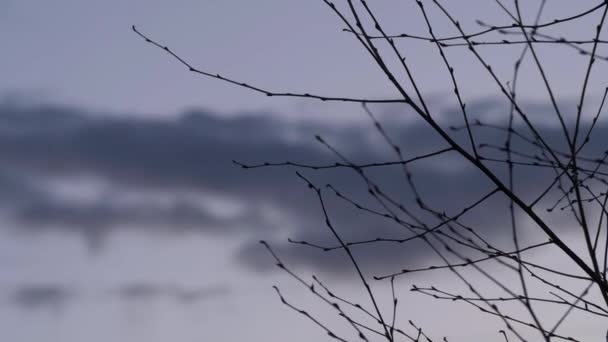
<point x="123" y="217"/>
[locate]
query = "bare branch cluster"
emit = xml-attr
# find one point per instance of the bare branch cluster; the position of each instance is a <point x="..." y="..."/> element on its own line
<point x="576" y="183"/>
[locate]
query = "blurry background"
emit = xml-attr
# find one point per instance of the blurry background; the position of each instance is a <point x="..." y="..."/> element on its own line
<point x="122" y="215"/>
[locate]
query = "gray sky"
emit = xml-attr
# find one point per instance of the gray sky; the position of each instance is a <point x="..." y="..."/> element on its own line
<point x="122" y="215"/>
<point x="80" y="51"/>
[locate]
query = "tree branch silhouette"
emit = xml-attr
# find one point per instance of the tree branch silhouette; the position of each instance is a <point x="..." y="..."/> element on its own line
<point x="576" y="180"/>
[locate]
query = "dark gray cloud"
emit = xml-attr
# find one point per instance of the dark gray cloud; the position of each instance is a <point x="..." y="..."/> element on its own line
<point x="185" y="295"/>
<point x="38" y="297"/>
<point x="57" y="297"/>
<point x="166" y="164"/>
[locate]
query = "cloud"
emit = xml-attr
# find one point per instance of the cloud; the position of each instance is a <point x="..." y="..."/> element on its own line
<point x="147" y="292"/>
<point x="55" y="297"/>
<point x="37" y="297"/>
<point x="92" y="173"/>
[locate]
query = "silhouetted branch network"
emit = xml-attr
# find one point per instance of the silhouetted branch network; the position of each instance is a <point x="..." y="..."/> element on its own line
<point x="575" y="183"/>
